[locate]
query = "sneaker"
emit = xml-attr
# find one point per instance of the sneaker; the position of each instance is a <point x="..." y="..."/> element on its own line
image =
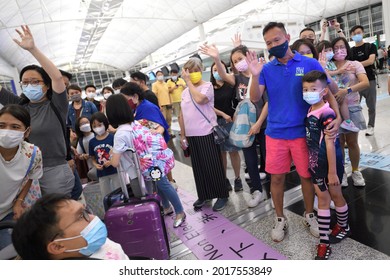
<point x="263" y="175"/>
<point x="323" y="252"/>
<point x="246" y="176"/>
<point x="349" y="126"/>
<point x="168" y="211"/>
<point x="344" y="182"/>
<point x="254" y="199"/>
<point x="339" y="233"/>
<point x="220" y="204"/>
<point x="199" y="203"/>
<point x="370" y="131"/>
<point x="279" y="230"/>
<point x="358" y="180"/>
<point x="311" y="222"/>
<point x="228" y="186"/>
<point x="237" y="185"/>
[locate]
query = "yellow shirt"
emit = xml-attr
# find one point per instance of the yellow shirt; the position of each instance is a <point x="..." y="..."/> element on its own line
<point x="161" y="90"/>
<point x="178" y="88"/>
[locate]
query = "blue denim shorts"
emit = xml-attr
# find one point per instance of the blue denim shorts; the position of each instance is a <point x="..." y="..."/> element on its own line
<point x="227" y="146"/>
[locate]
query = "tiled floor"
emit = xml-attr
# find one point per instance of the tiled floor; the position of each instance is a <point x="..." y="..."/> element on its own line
<point x="369" y="207"/>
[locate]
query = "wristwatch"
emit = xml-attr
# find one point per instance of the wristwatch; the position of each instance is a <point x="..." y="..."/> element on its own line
<point x="349" y="90"/>
<point x="340" y="31"/>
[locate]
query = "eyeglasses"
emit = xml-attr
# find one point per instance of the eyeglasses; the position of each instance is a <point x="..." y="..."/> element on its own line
<point x="83" y="215"/>
<point x="34" y="83"/>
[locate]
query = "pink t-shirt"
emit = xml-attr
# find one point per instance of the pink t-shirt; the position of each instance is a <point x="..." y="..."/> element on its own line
<point x="194" y="122"/>
<point x="349" y="79"/>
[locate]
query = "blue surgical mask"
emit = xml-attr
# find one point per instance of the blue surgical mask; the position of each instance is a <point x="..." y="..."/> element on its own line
<point x="329" y="56"/>
<point x="33" y="93"/>
<point x="312" y="97"/>
<point x="357" y="38"/>
<point x="217" y="76"/>
<point x="95" y="233"/>
<point x="279" y="51"/>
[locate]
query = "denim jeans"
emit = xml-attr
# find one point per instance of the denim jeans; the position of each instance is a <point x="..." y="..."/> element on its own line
<point x="252" y="161"/>
<point x="168" y="194"/>
<point x="5" y="234"/>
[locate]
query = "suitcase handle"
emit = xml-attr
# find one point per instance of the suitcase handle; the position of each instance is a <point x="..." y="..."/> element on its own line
<point x="122" y="173"/>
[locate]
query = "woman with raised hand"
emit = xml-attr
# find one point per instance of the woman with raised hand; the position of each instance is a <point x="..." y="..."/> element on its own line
<point x="44" y="97"/>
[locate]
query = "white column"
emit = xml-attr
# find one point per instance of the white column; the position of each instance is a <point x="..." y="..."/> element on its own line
<point x="202" y="35"/>
<point x="386" y="20"/>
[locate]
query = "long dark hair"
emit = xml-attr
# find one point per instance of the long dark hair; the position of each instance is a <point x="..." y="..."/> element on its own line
<point x="77" y="130"/>
<point x="212" y="79"/>
<point x="45" y="77"/>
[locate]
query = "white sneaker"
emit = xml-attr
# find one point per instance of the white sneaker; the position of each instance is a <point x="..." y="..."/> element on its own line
<point x="311" y="222"/>
<point x="246" y="176"/>
<point x="279" y="229"/>
<point x="349" y="126"/>
<point x="370" y="131"/>
<point x="262" y="175"/>
<point x="344" y="182"/>
<point x="358" y="180"/>
<point x="332" y="206"/>
<point x="254" y="199"/>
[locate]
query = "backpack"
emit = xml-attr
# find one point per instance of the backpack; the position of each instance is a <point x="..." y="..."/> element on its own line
<point x="156" y="160"/>
<point x="244" y="117"/>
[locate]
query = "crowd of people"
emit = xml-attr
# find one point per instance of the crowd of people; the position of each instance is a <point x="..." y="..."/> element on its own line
<point x="51" y="135"/>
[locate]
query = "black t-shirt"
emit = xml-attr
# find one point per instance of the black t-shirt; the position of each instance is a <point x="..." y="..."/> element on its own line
<point x="151" y="97"/>
<point x="241" y="86"/>
<point x="362" y="53"/>
<point x="224" y="99"/>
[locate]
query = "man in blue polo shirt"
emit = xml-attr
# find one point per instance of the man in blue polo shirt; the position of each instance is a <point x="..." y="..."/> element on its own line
<point x="285" y="140"/>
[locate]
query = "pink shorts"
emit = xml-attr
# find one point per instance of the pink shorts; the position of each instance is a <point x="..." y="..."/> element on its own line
<point x="281" y="152"/>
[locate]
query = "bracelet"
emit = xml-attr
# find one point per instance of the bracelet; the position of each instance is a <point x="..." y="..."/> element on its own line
<point x="22" y="200"/>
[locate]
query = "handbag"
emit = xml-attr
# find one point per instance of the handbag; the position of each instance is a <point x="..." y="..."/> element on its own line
<point x="220" y="133"/>
<point x="244" y="119"/>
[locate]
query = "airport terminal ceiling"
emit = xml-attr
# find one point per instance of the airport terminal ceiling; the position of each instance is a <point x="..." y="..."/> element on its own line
<point x="121" y="33"/>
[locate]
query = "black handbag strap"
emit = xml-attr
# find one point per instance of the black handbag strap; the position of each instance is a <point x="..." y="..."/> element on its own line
<point x="67" y="144"/>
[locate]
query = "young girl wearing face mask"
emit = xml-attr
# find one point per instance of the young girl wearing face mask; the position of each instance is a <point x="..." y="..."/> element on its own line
<point x="99" y="151"/>
<point x="351" y="78"/>
<point x="305" y="48"/>
<point x="85" y="134"/>
<point x="17" y="166"/>
<point x="240" y="82"/>
<point x="331" y="69"/>
<point x="107" y="92"/>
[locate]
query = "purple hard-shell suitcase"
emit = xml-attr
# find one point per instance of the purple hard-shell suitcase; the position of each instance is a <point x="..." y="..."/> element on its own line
<point x="138" y="223"/>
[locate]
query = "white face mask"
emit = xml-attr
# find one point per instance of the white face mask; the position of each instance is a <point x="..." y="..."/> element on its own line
<point x="160" y="78"/>
<point x="85" y="127"/>
<point x="91" y="95"/>
<point x="100" y="130"/>
<point x="116" y="91"/>
<point x="11" y="138"/>
<point x="107" y="95"/>
<point x="312" y="97"/>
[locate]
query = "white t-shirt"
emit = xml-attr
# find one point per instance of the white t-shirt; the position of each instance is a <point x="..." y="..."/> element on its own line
<point x="122" y="141"/>
<point x="86" y="147"/>
<point x="12" y="175"/>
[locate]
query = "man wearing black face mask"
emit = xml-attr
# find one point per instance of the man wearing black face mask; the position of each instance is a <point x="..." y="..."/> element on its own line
<point x="285" y="142"/>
